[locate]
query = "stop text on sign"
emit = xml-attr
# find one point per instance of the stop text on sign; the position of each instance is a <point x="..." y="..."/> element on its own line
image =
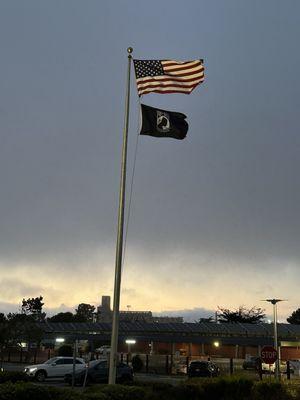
<point x="268" y="354"/>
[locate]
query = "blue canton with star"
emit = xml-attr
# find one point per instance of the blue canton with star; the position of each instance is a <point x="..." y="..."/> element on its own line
<point x="145" y="68"/>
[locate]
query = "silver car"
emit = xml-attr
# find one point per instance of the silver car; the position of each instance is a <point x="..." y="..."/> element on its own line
<point x="56" y="367"/>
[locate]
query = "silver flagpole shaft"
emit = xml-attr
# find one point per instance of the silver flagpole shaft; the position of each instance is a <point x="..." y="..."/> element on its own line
<point x="119" y="248"/>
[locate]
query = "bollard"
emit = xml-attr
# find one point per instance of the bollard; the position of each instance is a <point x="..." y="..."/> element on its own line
<point x="259" y="369"/>
<point x="147" y="363"/>
<point x="231" y="366"/>
<point x="167" y="364"/>
<point x="122" y="357"/>
<point x="127" y="358"/>
<point x="288" y="370"/>
<point x="187" y="364"/>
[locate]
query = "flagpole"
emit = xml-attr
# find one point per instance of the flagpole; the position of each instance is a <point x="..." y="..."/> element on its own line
<point x="119" y="247"/>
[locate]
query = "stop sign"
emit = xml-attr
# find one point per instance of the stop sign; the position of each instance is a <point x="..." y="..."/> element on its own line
<point x="268" y="354"/>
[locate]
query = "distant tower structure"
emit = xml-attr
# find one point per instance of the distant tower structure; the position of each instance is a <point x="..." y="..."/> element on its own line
<point x="105" y="303"/>
<point x="104" y="312"/>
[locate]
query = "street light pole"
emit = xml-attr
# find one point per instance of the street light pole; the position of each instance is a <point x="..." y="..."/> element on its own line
<point x="274" y="302"/>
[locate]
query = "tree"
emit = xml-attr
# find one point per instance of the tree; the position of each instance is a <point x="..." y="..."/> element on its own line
<point x="294" y="318"/>
<point x="23" y="328"/>
<point x="253" y="315"/>
<point x="63" y="317"/>
<point x="34" y="307"/>
<point x="84" y="312"/>
<point x="4" y="331"/>
<point x="2" y="318"/>
<point x="65" y="350"/>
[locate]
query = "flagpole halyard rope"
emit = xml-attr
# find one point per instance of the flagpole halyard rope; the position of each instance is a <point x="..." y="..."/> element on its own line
<point x="131" y="187"/>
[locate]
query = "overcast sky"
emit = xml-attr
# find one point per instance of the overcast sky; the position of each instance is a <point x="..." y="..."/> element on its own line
<point x="214" y="218"/>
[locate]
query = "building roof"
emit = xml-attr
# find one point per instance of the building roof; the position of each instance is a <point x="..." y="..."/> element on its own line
<point x="202" y="332"/>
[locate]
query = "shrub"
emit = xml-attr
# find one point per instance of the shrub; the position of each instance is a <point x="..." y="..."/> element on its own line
<point x="7" y="391"/>
<point x="161" y="386"/>
<point x="270" y="391"/>
<point x="121" y="392"/>
<point x="63" y="394"/>
<point x="95" y="396"/>
<point x="29" y="391"/>
<point x="137" y="363"/>
<point x="13" y="376"/>
<point x="238" y="388"/>
<point x="205" y="389"/>
<point x="294" y="389"/>
<point x="23" y="391"/>
<point x="227" y="388"/>
<point x="186" y="391"/>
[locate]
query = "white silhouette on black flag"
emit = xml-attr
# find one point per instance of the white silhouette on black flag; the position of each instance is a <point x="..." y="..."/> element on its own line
<point x="163" y="123"/>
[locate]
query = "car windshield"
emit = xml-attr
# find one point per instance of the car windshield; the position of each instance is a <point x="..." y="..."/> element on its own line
<point x="200" y="365"/>
<point x="51" y="360"/>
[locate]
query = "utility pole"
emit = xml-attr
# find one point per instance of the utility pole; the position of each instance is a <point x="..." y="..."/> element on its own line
<point x="277" y="362"/>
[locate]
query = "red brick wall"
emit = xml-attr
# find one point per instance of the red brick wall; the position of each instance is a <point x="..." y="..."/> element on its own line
<point x="227" y="351"/>
<point x="290" y="353"/>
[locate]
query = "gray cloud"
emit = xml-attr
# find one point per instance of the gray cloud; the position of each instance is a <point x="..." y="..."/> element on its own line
<point x="189" y="315"/>
<point x="225" y="200"/>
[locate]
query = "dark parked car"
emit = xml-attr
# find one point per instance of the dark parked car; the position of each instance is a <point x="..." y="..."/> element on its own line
<point x="203" y="369"/>
<point x="251" y="363"/>
<point x="97" y="372"/>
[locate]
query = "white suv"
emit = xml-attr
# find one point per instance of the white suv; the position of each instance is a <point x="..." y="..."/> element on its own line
<point x="56" y="367"/>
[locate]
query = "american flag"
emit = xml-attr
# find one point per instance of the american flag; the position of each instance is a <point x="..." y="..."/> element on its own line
<point x="168" y="76"/>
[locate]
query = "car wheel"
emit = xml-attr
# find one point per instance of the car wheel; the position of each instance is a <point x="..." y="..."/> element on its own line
<point x="40" y="376"/>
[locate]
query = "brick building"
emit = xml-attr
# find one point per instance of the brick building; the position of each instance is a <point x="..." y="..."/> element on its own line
<point x="234" y="340"/>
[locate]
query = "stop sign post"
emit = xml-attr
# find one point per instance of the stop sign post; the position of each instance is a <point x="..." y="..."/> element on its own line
<point x="268" y="354"/>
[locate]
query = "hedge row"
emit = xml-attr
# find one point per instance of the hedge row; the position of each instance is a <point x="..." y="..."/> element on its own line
<point x="212" y="389"/>
<point x="229" y="388"/>
<point x="13" y="376"/>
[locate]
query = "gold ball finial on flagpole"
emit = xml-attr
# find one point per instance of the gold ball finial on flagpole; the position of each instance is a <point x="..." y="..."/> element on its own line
<point x="129" y="50"/>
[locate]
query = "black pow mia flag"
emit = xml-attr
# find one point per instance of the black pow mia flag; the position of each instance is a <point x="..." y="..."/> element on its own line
<point x="162" y="123"/>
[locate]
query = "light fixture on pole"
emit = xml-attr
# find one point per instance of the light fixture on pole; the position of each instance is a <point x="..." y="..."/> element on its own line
<point x="129" y="342"/>
<point x="59" y="340"/>
<point x="274" y="302"/>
